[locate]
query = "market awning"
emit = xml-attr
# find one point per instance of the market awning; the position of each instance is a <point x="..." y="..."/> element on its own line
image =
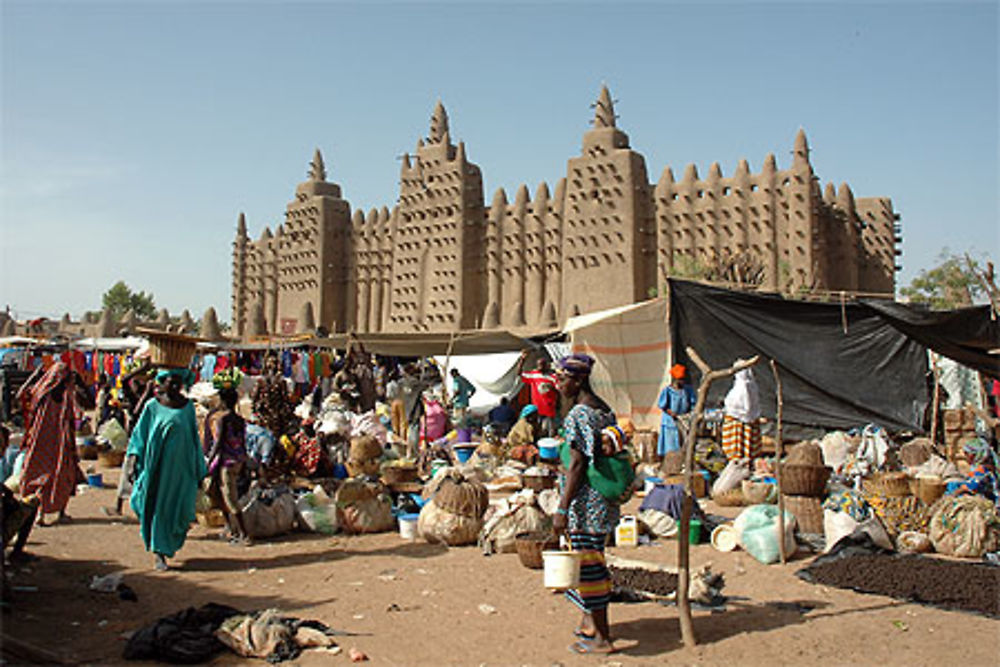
<point x="402" y="344"/>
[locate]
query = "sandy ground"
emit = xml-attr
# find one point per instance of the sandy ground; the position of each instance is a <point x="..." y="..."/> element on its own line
<point x="435" y="593"/>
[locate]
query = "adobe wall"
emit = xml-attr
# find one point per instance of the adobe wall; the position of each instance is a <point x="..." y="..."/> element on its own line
<point x="441" y="260"/>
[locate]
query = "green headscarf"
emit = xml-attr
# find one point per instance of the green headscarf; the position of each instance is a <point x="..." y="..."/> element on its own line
<point x="185" y="374"/>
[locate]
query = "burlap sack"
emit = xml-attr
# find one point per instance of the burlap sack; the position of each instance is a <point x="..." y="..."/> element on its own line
<point x="965" y="526"/>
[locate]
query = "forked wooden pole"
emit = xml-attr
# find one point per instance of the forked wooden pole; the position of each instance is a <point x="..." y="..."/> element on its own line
<point x="778" y="453"/>
<point x="708" y="376"/>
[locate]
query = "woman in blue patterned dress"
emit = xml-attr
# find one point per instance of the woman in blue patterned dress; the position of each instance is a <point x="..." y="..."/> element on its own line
<point x="583" y="513"/>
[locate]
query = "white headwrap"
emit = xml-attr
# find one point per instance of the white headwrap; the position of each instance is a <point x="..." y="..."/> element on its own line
<point x="743" y="401"/>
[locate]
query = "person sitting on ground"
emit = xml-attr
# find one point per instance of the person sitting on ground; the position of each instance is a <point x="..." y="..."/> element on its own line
<point x="522" y="439"/>
<point x="169" y="466"/>
<point x="17" y="519"/>
<point x="224" y="443"/>
<point x="503" y="416"/>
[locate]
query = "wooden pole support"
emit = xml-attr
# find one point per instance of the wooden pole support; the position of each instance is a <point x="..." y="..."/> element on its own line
<point x="684" y="548"/>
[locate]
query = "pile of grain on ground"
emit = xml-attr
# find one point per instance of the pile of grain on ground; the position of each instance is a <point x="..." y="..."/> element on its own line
<point x="943" y="583"/>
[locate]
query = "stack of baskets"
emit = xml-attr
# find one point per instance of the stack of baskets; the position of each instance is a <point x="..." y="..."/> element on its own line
<point x="803" y="481"/>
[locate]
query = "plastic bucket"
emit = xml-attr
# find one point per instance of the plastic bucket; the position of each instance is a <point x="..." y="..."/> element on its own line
<point x="561" y="569"/>
<point x="463" y="454"/>
<point x="96" y="479"/>
<point x="694" y="535"/>
<point x="408" y="526"/>
<point x="651" y="482"/>
<point x="725" y="537"/>
<point x="436" y="465"/>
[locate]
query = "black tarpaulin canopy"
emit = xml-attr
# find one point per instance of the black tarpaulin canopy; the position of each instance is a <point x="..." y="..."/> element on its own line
<point x="841" y="365"/>
<point x="404" y="344"/>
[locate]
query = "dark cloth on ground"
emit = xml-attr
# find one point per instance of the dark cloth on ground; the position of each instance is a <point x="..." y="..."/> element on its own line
<point x="187" y="637"/>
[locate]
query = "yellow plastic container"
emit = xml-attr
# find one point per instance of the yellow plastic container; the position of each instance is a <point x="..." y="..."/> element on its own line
<point x="627" y="532"/>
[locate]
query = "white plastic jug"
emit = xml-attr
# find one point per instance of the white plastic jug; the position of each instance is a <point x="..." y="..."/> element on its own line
<point x="562" y="569"/>
<point x="627" y="532"/>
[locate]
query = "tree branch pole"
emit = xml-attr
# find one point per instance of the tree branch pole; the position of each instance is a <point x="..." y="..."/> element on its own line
<point x="935" y="400"/>
<point x="778" y="453"/>
<point x="708" y="376"/>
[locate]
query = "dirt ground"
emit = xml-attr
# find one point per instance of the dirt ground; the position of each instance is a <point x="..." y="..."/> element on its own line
<point x="419" y="604"/>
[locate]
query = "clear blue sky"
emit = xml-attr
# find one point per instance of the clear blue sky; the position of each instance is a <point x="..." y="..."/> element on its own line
<point x="133" y="133"/>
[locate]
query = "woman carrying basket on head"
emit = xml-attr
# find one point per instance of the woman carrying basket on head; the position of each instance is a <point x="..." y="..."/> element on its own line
<point x="586" y="515"/>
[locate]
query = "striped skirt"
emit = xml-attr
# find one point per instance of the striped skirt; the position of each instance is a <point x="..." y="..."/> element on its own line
<point x="594" y="591"/>
<point x="740" y="440"/>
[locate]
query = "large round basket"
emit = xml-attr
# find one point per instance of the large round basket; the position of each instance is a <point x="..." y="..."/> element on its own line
<point x="111" y="458"/>
<point x="808" y="513"/>
<point x="889" y="484"/>
<point x="463" y="497"/>
<point x="928" y="489"/>
<point x="731" y="498"/>
<point x="172" y="350"/>
<point x="531" y="545"/>
<point x="803" y="480"/>
<point x="806" y="454"/>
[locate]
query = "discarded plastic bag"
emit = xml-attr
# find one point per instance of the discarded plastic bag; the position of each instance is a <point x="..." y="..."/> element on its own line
<point x="317" y="513"/>
<point x="659" y="523"/>
<point x="269" y="512"/>
<point x="114" y="434"/>
<point x="732" y="476"/>
<point x="837" y="525"/>
<point x="757" y="528"/>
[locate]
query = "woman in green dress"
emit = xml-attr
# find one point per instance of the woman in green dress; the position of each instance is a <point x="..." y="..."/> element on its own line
<point x="169" y="466"/>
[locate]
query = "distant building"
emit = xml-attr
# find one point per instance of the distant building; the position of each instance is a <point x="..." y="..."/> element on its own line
<point x="441" y="260"/>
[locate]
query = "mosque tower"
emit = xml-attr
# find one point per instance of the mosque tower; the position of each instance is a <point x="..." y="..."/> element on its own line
<point x="438" y="265"/>
<point x="608" y="228"/>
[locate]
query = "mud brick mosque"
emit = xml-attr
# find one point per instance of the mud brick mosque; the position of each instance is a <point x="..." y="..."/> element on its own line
<point x="443" y="260"/>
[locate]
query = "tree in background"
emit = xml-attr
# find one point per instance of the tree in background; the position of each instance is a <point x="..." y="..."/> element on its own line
<point x="956" y="282"/>
<point x="120" y="299"/>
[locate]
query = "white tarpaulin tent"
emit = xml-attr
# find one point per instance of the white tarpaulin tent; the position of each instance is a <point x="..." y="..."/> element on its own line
<point x="631" y="347"/>
<point x="486" y="372"/>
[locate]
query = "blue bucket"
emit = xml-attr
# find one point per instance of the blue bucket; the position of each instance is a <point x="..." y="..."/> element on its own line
<point x="339" y="471"/>
<point x="96" y="480"/>
<point x="463" y="454"/>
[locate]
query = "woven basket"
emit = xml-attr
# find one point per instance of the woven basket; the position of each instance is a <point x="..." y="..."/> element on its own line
<point x="399" y="474"/>
<point x="111" y="458"/>
<point x="213" y="518"/>
<point x="890" y="484"/>
<point x="806" y="453"/>
<point x="808" y="513"/>
<point x="916" y="452"/>
<point x="928" y="489"/>
<point x="801" y="480"/>
<point x="462" y="497"/>
<point x="731" y="498"/>
<point x="169" y="349"/>
<point x="531" y="545"/>
<point x="538" y="482"/>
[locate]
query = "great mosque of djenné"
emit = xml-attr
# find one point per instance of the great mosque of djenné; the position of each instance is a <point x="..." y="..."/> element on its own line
<point x="441" y="260"/>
